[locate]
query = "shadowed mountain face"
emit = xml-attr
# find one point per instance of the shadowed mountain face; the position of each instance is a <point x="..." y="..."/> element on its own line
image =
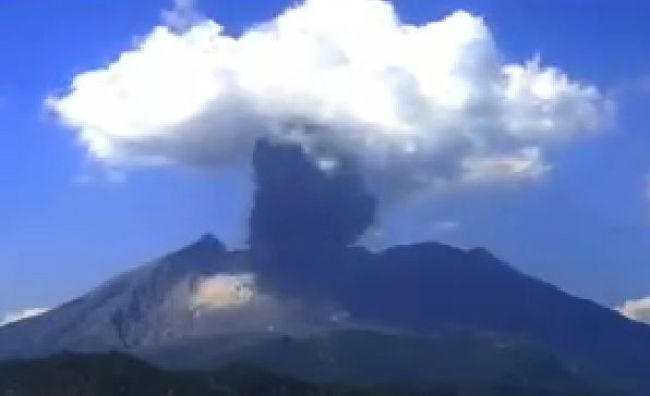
<point x="301" y="276"/>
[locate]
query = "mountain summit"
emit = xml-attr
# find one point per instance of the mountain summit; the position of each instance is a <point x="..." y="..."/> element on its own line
<point x="145" y="306"/>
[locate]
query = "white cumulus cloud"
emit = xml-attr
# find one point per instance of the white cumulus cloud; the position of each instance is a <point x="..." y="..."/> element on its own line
<point x="418" y="107"/>
<point x="16" y="316"/>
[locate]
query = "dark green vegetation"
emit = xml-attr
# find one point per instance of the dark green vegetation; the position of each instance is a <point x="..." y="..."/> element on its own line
<point x="458" y="366"/>
<point x="380" y="357"/>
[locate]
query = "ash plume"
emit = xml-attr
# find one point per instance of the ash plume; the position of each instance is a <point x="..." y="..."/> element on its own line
<point x="300" y="205"/>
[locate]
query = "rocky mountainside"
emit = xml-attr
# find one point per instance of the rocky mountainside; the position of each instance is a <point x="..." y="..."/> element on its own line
<point x="199" y="290"/>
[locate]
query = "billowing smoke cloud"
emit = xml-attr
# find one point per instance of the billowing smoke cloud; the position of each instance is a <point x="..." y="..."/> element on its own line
<point x="299" y="204"/>
<point x="417" y="107"/>
<point x="638" y="310"/>
<point x="12" y="317"/>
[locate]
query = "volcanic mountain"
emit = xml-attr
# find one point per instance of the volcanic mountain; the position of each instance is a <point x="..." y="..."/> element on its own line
<point x="302" y="281"/>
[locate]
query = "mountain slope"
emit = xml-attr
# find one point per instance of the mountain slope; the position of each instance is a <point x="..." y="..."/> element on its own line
<point x="447" y="287"/>
<point x="145" y="306"/>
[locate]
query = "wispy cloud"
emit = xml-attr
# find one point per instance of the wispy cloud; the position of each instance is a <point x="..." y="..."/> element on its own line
<point x="445" y="226"/>
<point x="16" y="316"/>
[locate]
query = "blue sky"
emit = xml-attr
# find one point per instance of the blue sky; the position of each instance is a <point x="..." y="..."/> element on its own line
<point x="67" y="225"/>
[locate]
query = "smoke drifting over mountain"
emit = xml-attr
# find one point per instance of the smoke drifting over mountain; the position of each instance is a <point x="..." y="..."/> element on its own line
<point x="417" y="108"/>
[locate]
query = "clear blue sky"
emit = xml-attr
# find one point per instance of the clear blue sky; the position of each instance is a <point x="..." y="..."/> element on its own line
<point x="586" y="227"/>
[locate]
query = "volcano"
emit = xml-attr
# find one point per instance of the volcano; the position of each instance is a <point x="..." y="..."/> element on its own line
<point x="303" y="283"/>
